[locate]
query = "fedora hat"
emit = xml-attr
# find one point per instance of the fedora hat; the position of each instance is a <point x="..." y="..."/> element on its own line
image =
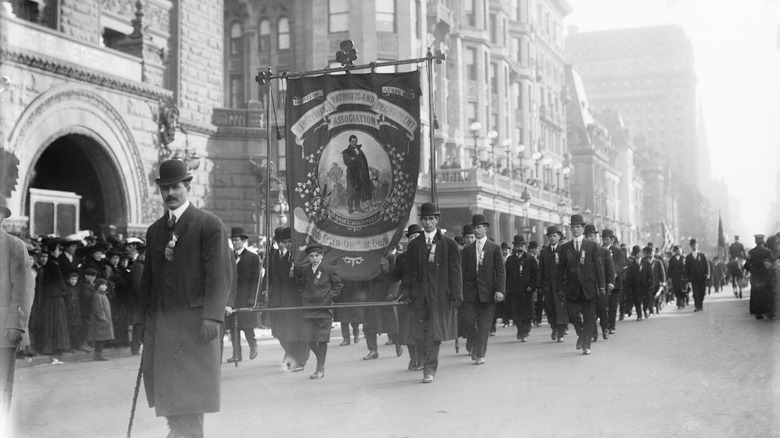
<point x="429" y="209"/>
<point x="4" y="206"/>
<point x="468" y="229"/>
<point x="314" y="246"/>
<point x="518" y="240"/>
<point x="589" y="229"/>
<point x="606" y="232"/>
<point x="173" y="171"/>
<point x="576" y="219"/>
<point x="552" y="229"/>
<point x="479" y="219"/>
<point x="238" y="232"/>
<point x="413" y="229"/>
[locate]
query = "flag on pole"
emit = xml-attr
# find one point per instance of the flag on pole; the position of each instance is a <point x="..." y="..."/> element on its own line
<point x="353" y="156"/>
<point x="668" y="238"/>
<point x="721" y="236"/>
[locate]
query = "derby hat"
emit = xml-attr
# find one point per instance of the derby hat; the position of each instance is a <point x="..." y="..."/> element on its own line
<point x="4" y="206"/>
<point x="278" y="233"/>
<point x="589" y="229"/>
<point x="238" y="232"/>
<point x="606" y="232"/>
<point x="635" y="250"/>
<point x="479" y="219"/>
<point x="468" y="229"/>
<point x="576" y="219"/>
<point x="429" y="209"/>
<point x="314" y="246"/>
<point x="518" y="240"/>
<point x="413" y="229"/>
<point x="647" y="250"/>
<point x="675" y="247"/>
<point x="286" y="233"/>
<point x="173" y="171"/>
<point x="71" y="239"/>
<point x="504" y="245"/>
<point x="552" y="229"/>
<point x="691" y="242"/>
<point x="533" y="244"/>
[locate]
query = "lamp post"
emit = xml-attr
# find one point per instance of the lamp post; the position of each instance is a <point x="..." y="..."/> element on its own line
<point x="566" y="170"/>
<point x="521" y="158"/>
<point x="525" y="199"/>
<point x="507" y="143"/>
<point x="537" y="156"/>
<point x="492" y="135"/>
<point x="475" y="128"/>
<point x="557" y="168"/>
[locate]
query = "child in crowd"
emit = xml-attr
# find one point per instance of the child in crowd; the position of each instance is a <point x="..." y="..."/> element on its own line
<point x="101" y="326"/>
<point x="75" y="323"/>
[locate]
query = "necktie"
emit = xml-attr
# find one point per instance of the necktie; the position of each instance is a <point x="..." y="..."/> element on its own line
<point x="429" y="242"/>
<point x="576" y="245"/>
<point x="171" y="221"/>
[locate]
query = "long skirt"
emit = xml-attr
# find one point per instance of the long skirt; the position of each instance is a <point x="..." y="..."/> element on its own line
<point x="55" y="326"/>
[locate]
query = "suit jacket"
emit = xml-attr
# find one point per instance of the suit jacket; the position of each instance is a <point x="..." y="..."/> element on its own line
<point x="482" y="280"/>
<point x="583" y="272"/>
<point x="608" y="265"/>
<point x="621" y="263"/>
<point x="177" y="295"/>
<point x="17" y="287"/>
<point x="648" y="278"/>
<point x="318" y="288"/>
<point x="677" y="270"/>
<point x="631" y="281"/>
<point x="437" y="279"/>
<point x="697" y="269"/>
<point x="247" y="281"/>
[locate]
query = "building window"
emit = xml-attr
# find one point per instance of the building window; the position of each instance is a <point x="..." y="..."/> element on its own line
<point x="471" y="112"/>
<point x="385" y="15"/>
<point x="493" y="29"/>
<point x="471" y="63"/>
<point x="517" y="50"/>
<point x="111" y="37"/>
<point x="265" y="35"/>
<point x="283" y="34"/>
<point x="417" y="21"/>
<point x="338" y="16"/>
<point x="237" y="91"/>
<point x="471" y="15"/>
<point x="235" y="38"/>
<point x="494" y="78"/>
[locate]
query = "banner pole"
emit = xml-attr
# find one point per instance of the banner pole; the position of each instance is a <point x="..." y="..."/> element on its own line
<point x="268" y="184"/>
<point x="431" y="127"/>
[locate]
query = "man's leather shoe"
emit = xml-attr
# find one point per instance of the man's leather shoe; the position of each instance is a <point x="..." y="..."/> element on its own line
<point x="344" y="342"/>
<point x="372" y="354"/>
<point x="252" y="353"/>
<point x="480" y="361"/>
<point x="399" y="350"/>
<point x="586" y="351"/>
<point x="492" y="333"/>
<point x="474" y="354"/>
<point x="622" y="317"/>
<point x="297" y="368"/>
<point x="611" y="331"/>
<point x="554" y="335"/>
<point x="522" y="339"/>
<point x="560" y="339"/>
<point x="605" y="334"/>
<point x="412" y="365"/>
<point x="428" y="379"/>
<point x="233" y="359"/>
<point x="356" y="339"/>
<point x="418" y="367"/>
<point x="389" y="342"/>
<point x="579" y="343"/>
<point x="320" y="373"/>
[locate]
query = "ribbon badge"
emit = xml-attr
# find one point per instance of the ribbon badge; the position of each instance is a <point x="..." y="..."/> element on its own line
<point x="170" y="247"/>
<point x="582" y="256"/>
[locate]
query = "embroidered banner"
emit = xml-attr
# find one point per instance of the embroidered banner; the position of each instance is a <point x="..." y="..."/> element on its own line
<point x="353" y="153"/>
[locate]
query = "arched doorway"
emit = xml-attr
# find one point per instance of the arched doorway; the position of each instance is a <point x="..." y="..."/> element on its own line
<point x="76" y="163"/>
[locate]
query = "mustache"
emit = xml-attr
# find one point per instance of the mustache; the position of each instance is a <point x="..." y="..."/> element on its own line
<point x="171" y="198"/>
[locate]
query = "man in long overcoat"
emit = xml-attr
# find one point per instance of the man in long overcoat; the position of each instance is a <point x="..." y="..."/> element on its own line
<point x="359" y="186"/>
<point x="521" y="273"/>
<point x="583" y="281"/>
<point x="620" y="263"/>
<point x="549" y="283"/>
<point x="697" y="271"/>
<point x="484" y="283"/>
<point x="677" y="275"/>
<point x="185" y="289"/>
<point x="602" y="304"/>
<point x="247" y="292"/>
<point x="17" y="289"/>
<point x="436" y="290"/>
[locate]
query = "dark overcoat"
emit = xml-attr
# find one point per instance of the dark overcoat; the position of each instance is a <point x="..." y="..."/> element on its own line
<point x="399" y="272"/>
<point x="647" y="277"/>
<point x="550" y="281"/>
<point x="181" y="370"/>
<point x="582" y="273"/>
<point x="481" y="280"/>
<point x="609" y="274"/>
<point x="283" y="292"/>
<point x="55" y="309"/>
<point x="677" y="273"/>
<point x="620" y="263"/>
<point x="761" y="300"/>
<point x="697" y="269"/>
<point x="358" y="174"/>
<point x="380" y="319"/>
<point x="247" y="281"/>
<point x="521" y="273"/>
<point x="436" y="278"/>
<point x="318" y="287"/>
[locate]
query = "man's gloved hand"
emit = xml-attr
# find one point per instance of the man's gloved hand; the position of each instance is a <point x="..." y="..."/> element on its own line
<point x="14" y="335"/>
<point x="209" y="329"/>
<point x="499" y="297"/>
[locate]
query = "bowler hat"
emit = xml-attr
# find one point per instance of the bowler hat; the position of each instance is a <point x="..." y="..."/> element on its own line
<point x="675" y="247"/>
<point x="314" y="246"/>
<point x="100" y="281"/>
<point x="518" y="240"/>
<point x="173" y="171"/>
<point x="552" y="229"/>
<point x="576" y="219"/>
<point x="238" y="232"/>
<point x="504" y="245"/>
<point x="647" y="250"/>
<point x="286" y="233"/>
<point x="278" y="233"/>
<point x="467" y="229"/>
<point x="533" y="244"/>
<point x="413" y="229"/>
<point x="589" y="229"/>
<point x="479" y="219"/>
<point x="4" y="206"/>
<point x="429" y="209"/>
<point x="692" y="241"/>
<point x="635" y="250"/>
<point x="606" y="232"/>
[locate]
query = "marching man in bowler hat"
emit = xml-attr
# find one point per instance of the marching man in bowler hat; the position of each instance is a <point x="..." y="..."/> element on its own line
<point x="184" y="289"/>
<point x="582" y="275"/>
<point x="247" y="287"/>
<point x="548" y="282"/>
<point x="436" y="289"/>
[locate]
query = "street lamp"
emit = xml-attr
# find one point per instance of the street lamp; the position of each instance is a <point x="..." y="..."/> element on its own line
<point x="525" y="199"/>
<point x="521" y="158"/>
<point x="492" y="135"/>
<point x="537" y="156"/>
<point x="557" y="168"/>
<point x="507" y="143"/>
<point x="547" y="161"/>
<point x="475" y="128"/>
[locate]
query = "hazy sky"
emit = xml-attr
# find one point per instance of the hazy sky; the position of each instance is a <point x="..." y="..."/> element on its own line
<point x="737" y="60"/>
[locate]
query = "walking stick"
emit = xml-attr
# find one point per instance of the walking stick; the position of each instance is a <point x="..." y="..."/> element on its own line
<point x="135" y="396"/>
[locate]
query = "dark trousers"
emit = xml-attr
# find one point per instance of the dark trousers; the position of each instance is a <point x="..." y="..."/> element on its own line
<point x="320" y="350"/>
<point x="481" y="314"/>
<point x="345" y="329"/>
<point x="538" y="307"/>
<point x="135" y="343"/>
<point x="187" y="425"/>
<point x="552" y="315"/>
<point x="428" y="347"/>
<point x="615" y="299"/>
<point x="582" y="315"/>
<point x="7" y="364"/>
<point x="523" y="328"/>
<point x="249" y="334"/>
<point x="699" y="290"/>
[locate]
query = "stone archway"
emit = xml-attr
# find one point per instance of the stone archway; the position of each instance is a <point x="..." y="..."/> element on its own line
<point x="80" y="120"/>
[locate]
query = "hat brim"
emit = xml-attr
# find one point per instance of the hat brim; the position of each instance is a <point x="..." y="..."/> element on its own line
<point x="487" y="224"/>
<point x="243" y="236"/>
<point x="5" y="210"/>
<point x="168" y="182"/>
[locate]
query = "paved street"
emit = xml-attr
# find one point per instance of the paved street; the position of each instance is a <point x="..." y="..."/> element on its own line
<point x="677" y="374"/>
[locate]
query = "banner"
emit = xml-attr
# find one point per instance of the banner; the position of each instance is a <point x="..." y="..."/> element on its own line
<point x="353" y="153"/>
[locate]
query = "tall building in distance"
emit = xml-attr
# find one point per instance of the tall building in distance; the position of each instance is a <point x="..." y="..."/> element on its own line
<point x="647" y="74"/>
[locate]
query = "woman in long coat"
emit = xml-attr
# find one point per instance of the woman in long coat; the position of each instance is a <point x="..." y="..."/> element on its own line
<point x="56" y="338"/>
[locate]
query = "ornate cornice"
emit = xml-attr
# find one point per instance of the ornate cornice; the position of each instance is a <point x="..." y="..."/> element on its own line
<point x="238" y="132"/>
<point x="86" y="76"/>
<point x="190" y="126"/>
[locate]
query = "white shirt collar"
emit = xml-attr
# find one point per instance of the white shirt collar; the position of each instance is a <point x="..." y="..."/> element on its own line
<point x="314" y="268"/>
<point x="482" y="240"/>
<point x="430" y="236"/>
<point x="579" y="239"/>
<point x="179" y="211"/>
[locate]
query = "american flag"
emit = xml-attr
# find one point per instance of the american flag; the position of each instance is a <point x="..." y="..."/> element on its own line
<point x="668" y="238"/>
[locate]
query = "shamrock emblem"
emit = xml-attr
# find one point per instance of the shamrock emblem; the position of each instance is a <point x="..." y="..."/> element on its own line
<point x="347" y="55"/>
